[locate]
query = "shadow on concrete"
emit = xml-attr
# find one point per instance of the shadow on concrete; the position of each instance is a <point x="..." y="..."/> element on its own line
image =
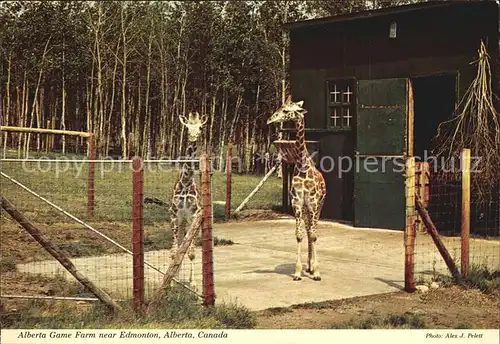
<point x="283" y="269"/>
<point x="394" y="284"/>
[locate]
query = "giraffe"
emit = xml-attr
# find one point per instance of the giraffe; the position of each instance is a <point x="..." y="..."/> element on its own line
<point x="185" y="206"/>
<point x="308" y="189"/>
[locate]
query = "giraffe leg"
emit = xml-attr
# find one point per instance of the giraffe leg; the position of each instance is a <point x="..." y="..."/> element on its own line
<point x="309" y="254"/>
<point x="308" y="223"/>
<point x="299" y="234"/>
<point x="313" y="236"/>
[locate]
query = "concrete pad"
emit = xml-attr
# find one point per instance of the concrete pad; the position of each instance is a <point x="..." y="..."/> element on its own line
<point x="257" y="270"/>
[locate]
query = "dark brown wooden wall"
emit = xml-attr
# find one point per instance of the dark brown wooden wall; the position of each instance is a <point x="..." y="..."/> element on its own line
<point x="429" y="41"/>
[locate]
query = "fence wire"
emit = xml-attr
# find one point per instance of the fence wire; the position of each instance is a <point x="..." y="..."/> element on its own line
<point x="443" y="202"/>
<point x="159" y="184"/>
<point x="29" y="271"/>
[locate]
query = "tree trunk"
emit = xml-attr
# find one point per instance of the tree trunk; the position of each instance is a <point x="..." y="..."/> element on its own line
<point x="63" y="103"/>
<point x="147" y="126"/>
<point x="164" y="99"/>
<point x="209" y="146"/>
<point x="124" y="86"/>
<point x="183" y="111"/>
<point x="222" y="128"/>
<point x="137" y="113"/>
<point x="35" y="97"/>
<point x="5" y="119"/>
<point x="24" y="113"/>
<point x="98" y="101"/>
<point x="107" y="134"/>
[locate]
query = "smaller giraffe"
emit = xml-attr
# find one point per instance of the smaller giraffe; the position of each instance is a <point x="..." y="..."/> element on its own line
<point x="185" y="206"/>
<point x="308" y="190"/>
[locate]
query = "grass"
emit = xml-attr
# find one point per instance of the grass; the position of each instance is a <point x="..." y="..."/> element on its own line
<point x="314" y="305"/>
<point x="7" y="264"/>
<point x="277" y="311"/>
<point x="462" y="326"/>
<point x="16" y="283"/>
<point x="78" y="249"/>
<point x="479" y="277"/>
<point x="482" y="278"/>
<point x="66" y="185"/>
<point x="388" y="321"/>
<point x="178" y="309"/>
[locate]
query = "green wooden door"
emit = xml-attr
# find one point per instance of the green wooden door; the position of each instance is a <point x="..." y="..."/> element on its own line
<point x="381" y="148"/>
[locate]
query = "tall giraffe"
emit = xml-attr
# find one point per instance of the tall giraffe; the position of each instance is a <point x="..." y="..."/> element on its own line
<point x="308" y="189"/>
<point x="185" y="206"/>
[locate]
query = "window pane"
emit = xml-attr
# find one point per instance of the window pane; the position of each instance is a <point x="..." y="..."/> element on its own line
<point x="347" y="118"/>
<point x="335" y="93"/>
<point x="347" y="95"/>
<point x="335" y="117"/>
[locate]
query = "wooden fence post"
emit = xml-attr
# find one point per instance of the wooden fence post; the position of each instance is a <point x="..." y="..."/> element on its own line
<point x="91" y="154"/>
<point x="229" y="165"/>
<point x="409" y="234"/>
<point x="465" y="230"/>
<point x="206" y="234"/>
<point x="138" y="233"/>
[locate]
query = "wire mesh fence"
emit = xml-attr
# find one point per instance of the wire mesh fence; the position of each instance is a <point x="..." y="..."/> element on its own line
<point x="442" y="195"/>
<point x="159" y="182"/>
<point x="441" y="203"/>
<point x="63" y="219"/>
<point x="54" y="195"/>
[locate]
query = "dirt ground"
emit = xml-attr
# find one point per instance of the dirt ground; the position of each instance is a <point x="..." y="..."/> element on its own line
<point x="447" y="307"/>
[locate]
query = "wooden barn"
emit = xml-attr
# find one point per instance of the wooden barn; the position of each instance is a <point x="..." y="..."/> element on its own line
<point x="376" y="84"/>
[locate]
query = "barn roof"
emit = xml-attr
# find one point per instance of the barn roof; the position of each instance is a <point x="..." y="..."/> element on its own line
<point x="423" y="6"/>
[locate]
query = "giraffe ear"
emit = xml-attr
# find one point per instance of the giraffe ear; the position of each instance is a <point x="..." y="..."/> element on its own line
<point x="182" y="118"/>
<point x="300" y="103"/>
<point x="204" y="119"/>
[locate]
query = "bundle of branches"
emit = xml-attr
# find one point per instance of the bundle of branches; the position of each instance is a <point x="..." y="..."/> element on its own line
<point x="475" y="124"/>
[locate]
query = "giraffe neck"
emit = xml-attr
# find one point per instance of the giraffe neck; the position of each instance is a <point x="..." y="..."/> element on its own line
<point x="187" y="174"/>
<point x="300" y="141"/>
<point x="192" y="150"/>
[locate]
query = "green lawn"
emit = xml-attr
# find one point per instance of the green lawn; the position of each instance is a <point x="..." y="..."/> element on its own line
<point x="66" y="186"/>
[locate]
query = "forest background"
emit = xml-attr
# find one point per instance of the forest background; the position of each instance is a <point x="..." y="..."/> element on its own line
<point x="125" y="71"/>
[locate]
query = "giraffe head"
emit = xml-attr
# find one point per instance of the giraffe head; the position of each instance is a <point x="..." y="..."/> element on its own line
<point x="289" y="111"/>
<point x="193" y="122"/>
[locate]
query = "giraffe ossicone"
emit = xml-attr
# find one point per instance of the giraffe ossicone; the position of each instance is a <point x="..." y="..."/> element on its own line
<point x="308" y="188"/>
<point x="185" y="206"/>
